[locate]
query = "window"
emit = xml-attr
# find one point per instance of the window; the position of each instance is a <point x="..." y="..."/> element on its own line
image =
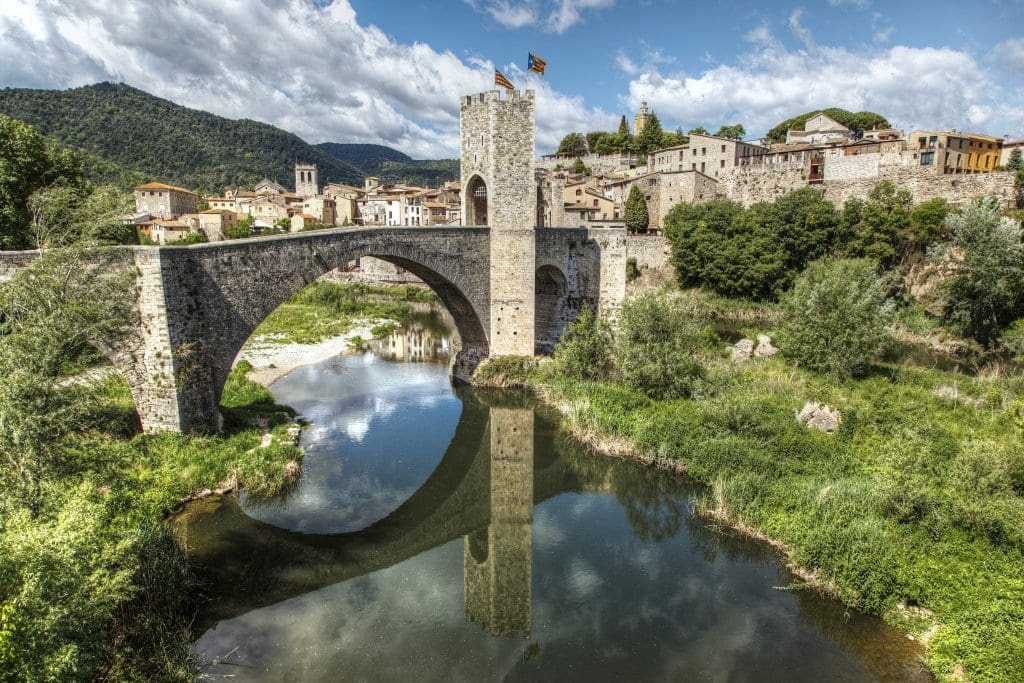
<point x="703" y="151"/>
<point x="723" y="148"/>
<point x="693" y="166"/>
<point x="595" y="202"/>
<point x="721" y="164"/>
<point x="702" y="167"/>
<point x="578" y="192"/>
<point x="927" y="158"/>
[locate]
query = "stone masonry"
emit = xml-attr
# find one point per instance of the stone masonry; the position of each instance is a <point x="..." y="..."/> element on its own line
<point x="497" y="139"/>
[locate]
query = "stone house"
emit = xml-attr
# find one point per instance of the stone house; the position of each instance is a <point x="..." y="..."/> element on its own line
<point x="953" y="152"/>
<point x="820" y="128"/>
<point x="321" y="208"/>
<point x="216" y="223"/>
<point x="164" y="201"/>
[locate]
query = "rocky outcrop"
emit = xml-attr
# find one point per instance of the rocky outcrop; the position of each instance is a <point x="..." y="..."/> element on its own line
<point x="819" y="416"/>
<point x="765" y="349"/>
<point x="741" y="351"/>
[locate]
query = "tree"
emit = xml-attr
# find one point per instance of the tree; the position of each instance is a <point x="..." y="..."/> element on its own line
<point x="28" y="163"/>
<point x="579" y="167"/>
<point x="623" y="127"/>
<point x="861" y="121"/>
<point x="1016" y="161"/>
<point x="65" y="302"/>
<point x="592" y="138"/>
<point x="637" y="218"/>
<point x="242" y="229"/>
<point x="876" y="228"/>
<point x="699" y="130"/>
<point x="656" y="346"/>
<point x="733" y="132"/>
<point x="584" y="351"/>
<point x="837" y="317"/>
<point x="927" y="225"/>
<point x="62" y="215"/>
<point x="649" y="139"/>
<point x="572" y="145"/>
<point x="984" y="268"/>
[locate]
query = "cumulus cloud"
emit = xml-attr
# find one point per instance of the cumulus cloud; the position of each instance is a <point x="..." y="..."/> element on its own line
<point x="564" y="15"/>
<point x="926" y="87"/>
<point x="313" y="70"/>
<point x="1011" y="54"/>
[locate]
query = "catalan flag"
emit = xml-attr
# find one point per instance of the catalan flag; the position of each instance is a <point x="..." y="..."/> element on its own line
<point x="535" y="64"/>
<point x="499" y="79"/>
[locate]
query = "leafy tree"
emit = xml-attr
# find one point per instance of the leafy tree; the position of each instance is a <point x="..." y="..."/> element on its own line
<point x="734" y="132"/>
<point x="861" y="121"/>
<point x="656" y="347"/>
<point x="876" y="228"/>
<point x="572" y="145"/>
<point x="64" y="303"/>
<point x="592" y="138"/>
<point x="242" y="229"/>
<point x="752" y="252"/>
<point x="637" y="218"/>
<point x="984" y="264"/>
<point x="579" y="167"/>
<point x="1016" y="161"/>
<point x="837" y="318"/>
<point x="584" y="351"/>
<point x="649" y="139"/>
<point x="671" y="139"/>
<point x="623" y="127"/>
<point x="62" y="215"/>
<point x="699" y="130"/>
<point x="927" y="224"/>
<point x="28" y="163"/>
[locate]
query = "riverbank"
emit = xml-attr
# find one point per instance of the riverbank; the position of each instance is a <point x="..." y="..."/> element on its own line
<point x="911" y="510"/>
<point x="271" y="360"/>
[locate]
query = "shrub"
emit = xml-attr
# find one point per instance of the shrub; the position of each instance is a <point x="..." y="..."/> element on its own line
<point x="656" y="346"/>
<point x="584" y="352"/>
<point x="984" y="264"/>
<point x="838" y="317"/>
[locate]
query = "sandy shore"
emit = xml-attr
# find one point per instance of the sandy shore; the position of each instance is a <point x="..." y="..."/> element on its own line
<point x="272" y="360"/>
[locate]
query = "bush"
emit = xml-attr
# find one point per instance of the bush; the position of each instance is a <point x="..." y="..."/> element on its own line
<point x="656" y="347"/>
<point x="984" y="264"/>
<point x="837" y="317"/>
<point x="584" y="352"/>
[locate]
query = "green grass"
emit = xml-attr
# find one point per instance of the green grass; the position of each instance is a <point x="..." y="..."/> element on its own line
<point x="917" y="500"/>
<point x="327" y="309"/>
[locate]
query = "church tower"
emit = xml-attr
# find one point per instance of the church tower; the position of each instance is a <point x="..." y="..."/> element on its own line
<point x="306" y="180"/>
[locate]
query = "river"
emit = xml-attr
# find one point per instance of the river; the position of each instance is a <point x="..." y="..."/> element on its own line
<point x="442" y="534"/>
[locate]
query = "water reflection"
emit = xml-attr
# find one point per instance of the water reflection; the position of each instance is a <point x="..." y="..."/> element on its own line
<point x="424" y="336"/>
<point x="515" y="556"/>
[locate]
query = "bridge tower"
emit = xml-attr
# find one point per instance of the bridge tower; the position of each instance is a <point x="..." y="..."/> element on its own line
<point x="499" y="191"/>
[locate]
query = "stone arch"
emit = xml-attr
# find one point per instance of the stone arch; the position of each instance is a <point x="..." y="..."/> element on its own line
<point x="476" y="201"/>
<point x="553" y="310"/>
<point x="212" y="297"/>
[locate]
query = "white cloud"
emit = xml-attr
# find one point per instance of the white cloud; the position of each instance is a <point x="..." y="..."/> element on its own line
<point x="1011" y="54"/>
<point x="627" y="65"/>
<point x="802" y="33"/>
<point x="512" y="14"/>
<point x="852" y="3"/>
<point x="927" y="87"/>
<point x="314" y="71"/>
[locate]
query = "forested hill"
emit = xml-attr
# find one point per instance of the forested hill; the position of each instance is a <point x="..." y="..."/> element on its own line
<point x="393" y="166"/>
<point x="161" y="140"/>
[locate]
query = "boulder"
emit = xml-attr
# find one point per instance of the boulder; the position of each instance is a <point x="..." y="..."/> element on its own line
<point x="819" y="416"/>
<point x="765" y="349"/>
<point x="742" y="350"/>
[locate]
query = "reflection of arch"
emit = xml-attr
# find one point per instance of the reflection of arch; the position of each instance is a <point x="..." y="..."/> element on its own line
<point x="476" y="201"/>
<point x="553" y="312"/>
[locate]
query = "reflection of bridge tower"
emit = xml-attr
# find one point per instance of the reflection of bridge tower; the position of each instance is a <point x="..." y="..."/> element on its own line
<point x="498" y="190"/>
<point x="498" y="559"/>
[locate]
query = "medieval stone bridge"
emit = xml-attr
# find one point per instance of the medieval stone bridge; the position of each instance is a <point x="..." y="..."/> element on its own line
<point x="511" y="287"/>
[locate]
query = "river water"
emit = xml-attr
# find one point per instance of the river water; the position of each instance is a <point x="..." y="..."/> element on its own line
<point x="455" y="535"/>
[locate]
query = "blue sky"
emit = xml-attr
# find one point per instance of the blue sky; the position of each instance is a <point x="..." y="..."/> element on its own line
<point x="391" y="72"/>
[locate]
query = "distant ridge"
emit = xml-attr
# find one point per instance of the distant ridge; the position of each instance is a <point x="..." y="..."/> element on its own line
<point x="393" y="166"/>
<point x="155" y="138"/>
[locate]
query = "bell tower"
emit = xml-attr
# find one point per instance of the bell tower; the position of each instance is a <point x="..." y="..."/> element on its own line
<point x="306" y="180"/>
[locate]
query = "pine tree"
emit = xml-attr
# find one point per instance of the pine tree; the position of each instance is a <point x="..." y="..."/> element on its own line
<point x="623" y="126"/>
<point x="637" y="218"/>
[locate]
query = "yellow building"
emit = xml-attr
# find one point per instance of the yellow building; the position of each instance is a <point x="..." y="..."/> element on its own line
<point x="955" y="152"/>
<point x="641" y="119"/>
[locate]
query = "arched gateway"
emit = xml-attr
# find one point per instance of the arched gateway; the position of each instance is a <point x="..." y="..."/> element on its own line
<point x="199" y="304"/>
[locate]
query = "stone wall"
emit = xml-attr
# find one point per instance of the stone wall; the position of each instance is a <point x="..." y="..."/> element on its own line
<point x="13" y="261"/>
<point x="924" y="185"/>
<point x="852" y="167"/>
<point x="597" y="163"/>
<point x="650" y="251"/>
<point x="751" y="184"/>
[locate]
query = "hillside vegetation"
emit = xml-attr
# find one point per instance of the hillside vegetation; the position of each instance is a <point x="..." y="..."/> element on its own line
<point x="393" y="166"/>
<point x="859" y="121"/>
<point x="133" y="130"/>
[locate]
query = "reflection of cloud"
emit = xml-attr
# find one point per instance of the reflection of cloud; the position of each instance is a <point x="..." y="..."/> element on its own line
<point x="356" y="428"/>
<point x="583" y="579"/>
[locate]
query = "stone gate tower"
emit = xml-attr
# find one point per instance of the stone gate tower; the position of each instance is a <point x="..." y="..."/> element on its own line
<point x="307" y="184"/>
<point x="498" y="190"/>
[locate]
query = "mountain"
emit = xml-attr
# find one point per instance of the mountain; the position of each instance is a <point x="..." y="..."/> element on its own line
<point x="157" y="139"/>
<point x="393" y="166"/>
